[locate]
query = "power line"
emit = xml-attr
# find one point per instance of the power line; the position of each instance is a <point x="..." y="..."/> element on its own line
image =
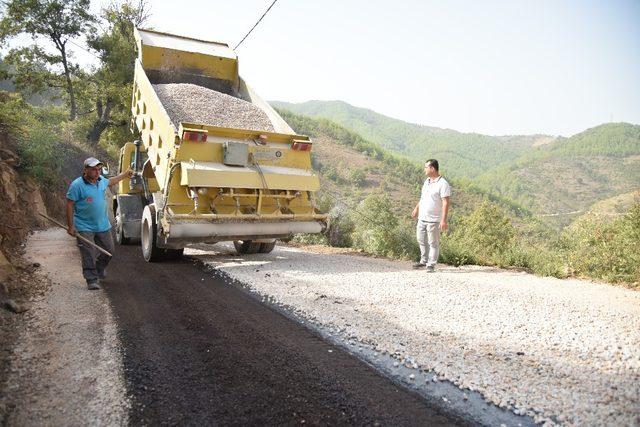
<point x="83" y="48"/>
<point x="583" y="212"/>
<point x="351" y="208"/>
<point x="256" y="24"/>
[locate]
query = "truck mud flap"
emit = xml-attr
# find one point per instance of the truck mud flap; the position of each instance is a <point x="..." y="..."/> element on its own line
<point x="131" y="211"/>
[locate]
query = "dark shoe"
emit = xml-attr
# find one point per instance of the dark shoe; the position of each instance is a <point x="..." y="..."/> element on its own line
<point x="102" y="274"/>
<point x="430" y="269"/>
<point x="93" y="286"/>
<point x="418" y="265"/>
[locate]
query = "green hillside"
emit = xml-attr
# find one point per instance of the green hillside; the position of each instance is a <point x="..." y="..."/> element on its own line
<point x="548" y="175"/>
<point x="572" y="175"/>
<point x="611" y="139"/>
<point x="461" y="154"/>
<point x="351" y="168"/>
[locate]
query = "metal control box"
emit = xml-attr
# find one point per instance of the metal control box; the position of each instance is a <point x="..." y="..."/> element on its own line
<point x="236" y="154"/>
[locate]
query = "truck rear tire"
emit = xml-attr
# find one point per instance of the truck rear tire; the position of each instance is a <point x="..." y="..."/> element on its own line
<point x="265" y="248"/>
<point x="244" y="247"/>
<point x="149" y="235"/>
<point x="119" y="229"/>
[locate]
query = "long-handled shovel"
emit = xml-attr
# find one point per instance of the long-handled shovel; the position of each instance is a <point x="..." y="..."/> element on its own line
<point x="87" y="241"/>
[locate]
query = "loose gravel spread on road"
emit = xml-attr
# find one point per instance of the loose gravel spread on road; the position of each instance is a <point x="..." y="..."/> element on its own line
<point x="191" y="103"/>
<point x="560" y="351"/>
<point x="66" y="368"/>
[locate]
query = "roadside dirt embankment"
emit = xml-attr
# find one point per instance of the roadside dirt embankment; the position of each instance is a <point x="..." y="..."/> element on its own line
<point x="20" y="199"/>
<point x="23" y="288"/>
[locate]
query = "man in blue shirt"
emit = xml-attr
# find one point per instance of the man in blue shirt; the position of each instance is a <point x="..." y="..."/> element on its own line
<point x="87" y="216"/>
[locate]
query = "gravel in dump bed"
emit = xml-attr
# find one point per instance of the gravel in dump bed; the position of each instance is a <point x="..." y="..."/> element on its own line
<point x="185" y="102"/>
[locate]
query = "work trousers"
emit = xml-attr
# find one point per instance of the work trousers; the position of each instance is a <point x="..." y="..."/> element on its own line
<point x="428" y="235"/>
<point x="94" y="261"/>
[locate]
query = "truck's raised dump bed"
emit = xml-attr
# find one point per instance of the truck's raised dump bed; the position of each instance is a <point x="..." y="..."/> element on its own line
<point x="221" y="163"/>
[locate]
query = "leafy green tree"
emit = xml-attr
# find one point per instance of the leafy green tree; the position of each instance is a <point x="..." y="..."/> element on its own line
<point x="112" y="82"/>
<point x="58" y="22"/>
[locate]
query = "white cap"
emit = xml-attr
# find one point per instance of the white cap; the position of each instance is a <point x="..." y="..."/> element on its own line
<point x="91" y="162"/>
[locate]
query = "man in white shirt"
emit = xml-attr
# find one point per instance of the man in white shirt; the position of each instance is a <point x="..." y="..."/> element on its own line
<point x="431" y="212"/>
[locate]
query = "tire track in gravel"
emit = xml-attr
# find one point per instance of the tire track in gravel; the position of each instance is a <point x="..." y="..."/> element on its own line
<point x="197" y="350"/>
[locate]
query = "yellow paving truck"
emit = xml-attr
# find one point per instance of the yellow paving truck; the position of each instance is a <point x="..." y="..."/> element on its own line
<point x="213" y="161"/>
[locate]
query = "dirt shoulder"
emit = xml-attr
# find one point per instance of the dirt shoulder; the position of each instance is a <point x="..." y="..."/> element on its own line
<point x="64" y="364"/>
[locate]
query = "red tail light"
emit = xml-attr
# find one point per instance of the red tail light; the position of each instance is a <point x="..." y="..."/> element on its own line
<point x="301" y="146"/>
<point x="194" y="136"/>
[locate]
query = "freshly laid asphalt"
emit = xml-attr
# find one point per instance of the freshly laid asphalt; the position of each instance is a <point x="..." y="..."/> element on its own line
<point x="199" y="351"/>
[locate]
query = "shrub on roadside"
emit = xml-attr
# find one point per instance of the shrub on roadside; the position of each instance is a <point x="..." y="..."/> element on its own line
<point x="405" y="244"/>
<point x="39" y="145"/>
<point x="542" y="258"/>
<point x="374" y="222"/>
<point x="482" y="237"/>
<point x="379" y="231"/>
<point x="591" y="247"/>
<point x="340" y="227"/>
<point x="608" y="250"/>
<point x="454" y="252"/>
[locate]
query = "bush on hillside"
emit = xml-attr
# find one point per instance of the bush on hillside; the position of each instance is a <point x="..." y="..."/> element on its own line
<point x="608" y="250"/>
<point x="455" y="252"/>
<point x="484" y="236"/>
<point x="357" y="177"/>
<point x="13" y="109"/>
<point x="379" y="231"/>
<point x="41" y="143"/>
<point x="374" y="221"/>
<point x="543" y="258"/>
<point x="340" y="227"/>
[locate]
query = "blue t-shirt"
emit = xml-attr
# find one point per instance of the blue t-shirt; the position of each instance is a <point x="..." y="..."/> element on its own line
<point x="90" y="208"/>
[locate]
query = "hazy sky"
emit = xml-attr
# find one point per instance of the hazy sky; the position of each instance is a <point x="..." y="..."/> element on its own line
<point x="493" y="67"/>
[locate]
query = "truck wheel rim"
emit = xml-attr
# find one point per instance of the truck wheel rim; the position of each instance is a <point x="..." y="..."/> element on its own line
<point x="145" y="235"/>
<point x="118" y="222"/>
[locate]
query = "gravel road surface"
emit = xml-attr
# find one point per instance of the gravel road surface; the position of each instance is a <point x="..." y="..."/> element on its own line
<point x="66" y="368"/>
<point x="199" y="351"/>
<point x="560" y="351"/>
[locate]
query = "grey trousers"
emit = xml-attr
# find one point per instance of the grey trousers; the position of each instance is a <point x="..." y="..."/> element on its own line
<point x="94" y="261"/>
<point x="428" y="235"/>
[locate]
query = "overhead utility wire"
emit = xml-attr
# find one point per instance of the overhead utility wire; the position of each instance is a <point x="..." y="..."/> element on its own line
<point x="83" y="48"/>
<point x="256" y="24"/>
<point x="352" y="208"/>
